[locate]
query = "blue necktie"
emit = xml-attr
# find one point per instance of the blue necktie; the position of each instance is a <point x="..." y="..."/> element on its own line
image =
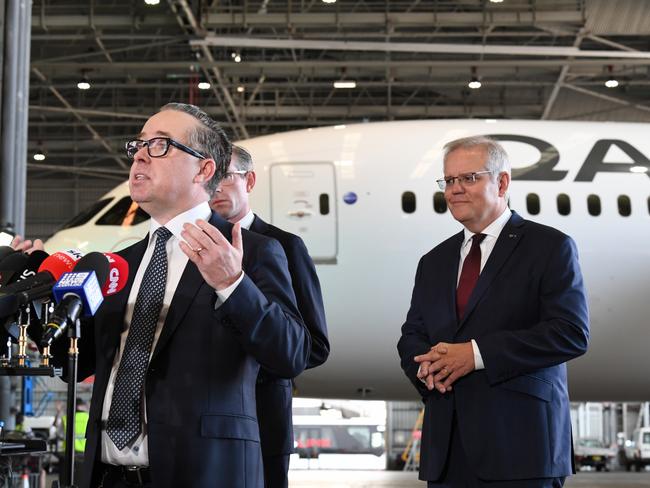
<point x="125" y="415"/>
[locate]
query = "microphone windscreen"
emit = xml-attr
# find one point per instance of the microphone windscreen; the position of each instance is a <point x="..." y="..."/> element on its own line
<point x="6" y="251"/>
<point x="12" y="266"/>
<point x="36" y="258"/>
<point x="94" y="261"/>
<point x="60" y="262"/>
<point x="118" y="274"/>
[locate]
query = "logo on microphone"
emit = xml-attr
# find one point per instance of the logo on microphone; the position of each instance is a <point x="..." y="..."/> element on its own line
<point x="114" y="281"/>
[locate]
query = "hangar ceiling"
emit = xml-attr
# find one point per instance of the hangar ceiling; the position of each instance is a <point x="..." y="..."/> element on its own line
<point x="271" y="65"/>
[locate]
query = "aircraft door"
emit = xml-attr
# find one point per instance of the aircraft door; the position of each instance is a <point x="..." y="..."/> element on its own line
<point x="303" y="202"/>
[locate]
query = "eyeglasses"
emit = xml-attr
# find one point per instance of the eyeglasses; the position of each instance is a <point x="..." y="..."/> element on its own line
<point x="467" y="179"/>
<point x="229" y="177"/>
<point x="157" y="147"/>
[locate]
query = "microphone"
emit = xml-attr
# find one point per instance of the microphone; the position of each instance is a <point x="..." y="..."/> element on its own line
<point x="39" y="285"/>
<point x="6" y="251"/>
<point x="77" y="293"/>
<point x="118" y="274"/>
<point x="10" y="266"/>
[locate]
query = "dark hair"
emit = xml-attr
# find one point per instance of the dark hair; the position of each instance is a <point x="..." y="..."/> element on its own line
<point x="242" y="158"/>
<point x="209" y="139"/>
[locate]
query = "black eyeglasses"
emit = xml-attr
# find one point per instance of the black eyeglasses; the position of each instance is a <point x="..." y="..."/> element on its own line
<point x="466" y="179"/>
<point x="157" y="147"/>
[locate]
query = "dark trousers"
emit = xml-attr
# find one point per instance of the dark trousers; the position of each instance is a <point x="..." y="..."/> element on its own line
<point x="457" y="473"/>
<point x="276" y="471"/>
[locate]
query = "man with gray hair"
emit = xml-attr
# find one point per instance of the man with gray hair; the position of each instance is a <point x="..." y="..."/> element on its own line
<point x="177" y="352"/>
<point x="496" y="312"/>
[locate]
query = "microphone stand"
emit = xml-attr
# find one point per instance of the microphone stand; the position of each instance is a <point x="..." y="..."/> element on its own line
<point x="67" y="475"/>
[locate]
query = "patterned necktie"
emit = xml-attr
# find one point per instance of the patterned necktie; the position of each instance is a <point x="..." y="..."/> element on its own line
<point x="469" y="275"/>
<point x="124" y="417"/>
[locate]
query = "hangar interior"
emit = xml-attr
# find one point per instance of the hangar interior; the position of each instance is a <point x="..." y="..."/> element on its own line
<point x="270" y="66"/>
<point x="99" y="68"/>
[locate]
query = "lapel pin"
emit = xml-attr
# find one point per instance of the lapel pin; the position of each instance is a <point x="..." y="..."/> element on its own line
<point x="512" y="235"/>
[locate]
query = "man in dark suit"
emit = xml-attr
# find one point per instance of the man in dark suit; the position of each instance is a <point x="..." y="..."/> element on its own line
<point x="273" y="391"/>
<point x="224" y="305"/>
<point x="496" y="312"/>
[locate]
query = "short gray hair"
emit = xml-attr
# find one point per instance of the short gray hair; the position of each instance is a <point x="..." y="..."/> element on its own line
<point x="497" y="158"/>
<point x="242" y="158"/>
<point x="209" y="139"/>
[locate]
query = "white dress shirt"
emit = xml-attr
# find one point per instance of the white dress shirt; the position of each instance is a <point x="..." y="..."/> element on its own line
<point x="137" y="453"/>
<point x="491" y="232"/>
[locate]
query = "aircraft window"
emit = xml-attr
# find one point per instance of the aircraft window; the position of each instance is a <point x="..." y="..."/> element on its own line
<point x="593" y="205"/>
<point x="563" y="204"/>
<point x="324" y="203"/>
<point x="624" y="205"/>
<point x="85" y="215"/>
<point x="532" y="203"/>
<point x="408" y="202"/>
<point x="125" y="213"/>
<point x="439" y="202"/>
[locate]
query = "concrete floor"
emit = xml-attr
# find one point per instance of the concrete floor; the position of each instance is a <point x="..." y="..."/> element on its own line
<point x="391" y="479"/>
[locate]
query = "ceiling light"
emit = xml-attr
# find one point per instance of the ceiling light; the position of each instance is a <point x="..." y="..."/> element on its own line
<point x="152" y="2"/>
<point x="240" y="89"/>
<point x="345" y="84"/>
<point x="204" y="85"/>
<point x="474" y="83"/>
<point x="611" y="83"/>
<point x="329" y="1"/>
<point x="83" y="85"/>
<point x="633" y="169"/>
<point x="496" y="1"/>
<point x="39" y="156"/>
<point x="236" y="57"/>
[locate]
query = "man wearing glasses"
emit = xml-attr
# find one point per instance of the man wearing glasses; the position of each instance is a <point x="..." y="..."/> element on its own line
<point x="176" y="353"/>
<point x="496" y="312"/>
<point x="274" y="394"/>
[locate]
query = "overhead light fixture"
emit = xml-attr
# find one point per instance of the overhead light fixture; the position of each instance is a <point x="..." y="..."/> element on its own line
<point x="329" y="1"/>
<point x="611" y="81"/>
<point x="345" y="84"/>
<point x="633" y="169"/>
<point x="240" y="89"/>
<point x="204" y="85"/>
<point x="236" y="57"/>
<point x="152" y="2"/>
<point x="39" y="156"/>
<point x="83" y="85"/>
<point x="496" y="1"/>
<point x="474" y="82"/>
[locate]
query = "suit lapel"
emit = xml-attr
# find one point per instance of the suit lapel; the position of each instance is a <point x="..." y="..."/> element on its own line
<point x="259" y="226"/>
<point x="506" y="243"/>
<point x="188" y="286"/>
<point x="452" y="272"/>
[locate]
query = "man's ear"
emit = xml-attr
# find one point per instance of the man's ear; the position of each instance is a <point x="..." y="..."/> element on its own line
<point x="206" y="171"/>
<point x="504" y="183"/>
<point x="250" y="181"/>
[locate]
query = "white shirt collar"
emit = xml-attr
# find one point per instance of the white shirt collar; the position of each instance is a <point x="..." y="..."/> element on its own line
<point x="247" y="220"/>
<point x="493" y="230"/>
<point x="175" y="225"/>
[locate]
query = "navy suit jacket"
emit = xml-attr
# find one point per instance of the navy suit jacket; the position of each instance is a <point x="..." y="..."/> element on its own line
<point x="528" y="315"/>
<point x="274" y="393"/>
<point x="200" y="384"/>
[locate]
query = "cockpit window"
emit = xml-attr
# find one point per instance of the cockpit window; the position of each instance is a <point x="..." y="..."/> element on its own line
<point x="125" y="213"/>
<point x="85" y="215"/>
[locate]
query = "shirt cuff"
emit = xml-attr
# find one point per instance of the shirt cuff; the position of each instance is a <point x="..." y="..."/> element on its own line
<point x="478" y="359"/>
<point x="223" y="295"/>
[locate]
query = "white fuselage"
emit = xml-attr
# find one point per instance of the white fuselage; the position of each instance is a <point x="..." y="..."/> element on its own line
<point x="343" y="190"/>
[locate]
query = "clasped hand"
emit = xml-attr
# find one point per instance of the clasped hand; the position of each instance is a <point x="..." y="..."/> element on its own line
<point x="444" y="364"/>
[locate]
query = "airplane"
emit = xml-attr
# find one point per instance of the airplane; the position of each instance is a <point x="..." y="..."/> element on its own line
<point x="364" y="199"/>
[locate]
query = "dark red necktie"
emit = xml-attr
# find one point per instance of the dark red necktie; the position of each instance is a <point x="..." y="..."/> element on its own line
<point x="469" y="275"/>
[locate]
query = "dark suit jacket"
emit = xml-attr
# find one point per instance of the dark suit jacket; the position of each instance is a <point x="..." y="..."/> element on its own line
<point x="274" y="393"/>
<point x="200" y="385"/>
<point x="528" y="315"/>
